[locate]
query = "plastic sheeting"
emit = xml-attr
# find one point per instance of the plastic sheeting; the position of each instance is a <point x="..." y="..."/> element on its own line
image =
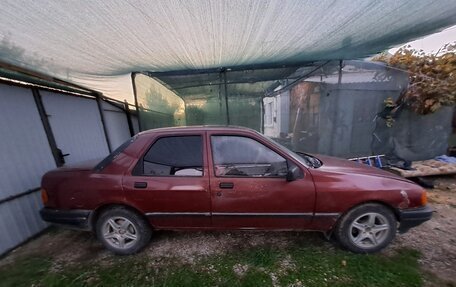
<point x="98" y="43"/>
<point x="329" y="107"/>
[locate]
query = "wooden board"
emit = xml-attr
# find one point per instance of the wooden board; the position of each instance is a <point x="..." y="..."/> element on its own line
<point x="427" y="168"/>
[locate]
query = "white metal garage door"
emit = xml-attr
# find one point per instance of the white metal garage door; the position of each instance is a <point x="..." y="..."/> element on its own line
<point x="76" y="125"/>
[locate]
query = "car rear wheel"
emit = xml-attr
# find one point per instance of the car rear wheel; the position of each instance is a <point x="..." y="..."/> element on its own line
<point x="122" y="231"/>
<point x="367" y="228"/>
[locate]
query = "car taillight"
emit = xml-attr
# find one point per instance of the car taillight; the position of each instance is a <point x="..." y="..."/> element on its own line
<point x="44" y="196"/>
<point x="423" y="198"/>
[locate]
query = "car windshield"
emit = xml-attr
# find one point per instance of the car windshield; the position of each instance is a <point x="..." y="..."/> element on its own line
<point x="304" y="158"/>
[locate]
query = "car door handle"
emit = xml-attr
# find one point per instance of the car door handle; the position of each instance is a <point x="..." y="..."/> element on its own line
<point x="140" y="184"/>
<point x="226" y="185"/>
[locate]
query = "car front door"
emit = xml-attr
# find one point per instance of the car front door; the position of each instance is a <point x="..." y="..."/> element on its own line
<point x="249" y="187"/>
<point x="170" y="182"/>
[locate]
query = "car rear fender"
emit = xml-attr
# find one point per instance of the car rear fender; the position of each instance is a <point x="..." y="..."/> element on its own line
<point x="100" y="209"/>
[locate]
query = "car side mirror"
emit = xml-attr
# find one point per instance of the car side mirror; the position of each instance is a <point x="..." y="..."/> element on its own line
<point x="293" y="173"/>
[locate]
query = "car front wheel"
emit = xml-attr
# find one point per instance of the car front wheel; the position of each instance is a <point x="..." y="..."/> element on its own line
<point x="122" y="231"/>
<point x="367" y="228"/>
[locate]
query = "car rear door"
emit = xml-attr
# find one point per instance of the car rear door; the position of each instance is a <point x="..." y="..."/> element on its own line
<point x="170" y="182"/>
<point x="249" y="187"/>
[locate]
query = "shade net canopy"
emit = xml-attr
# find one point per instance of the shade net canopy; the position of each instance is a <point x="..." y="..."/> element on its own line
<point x="340" y="108"/>
<point x="99" y="43"/>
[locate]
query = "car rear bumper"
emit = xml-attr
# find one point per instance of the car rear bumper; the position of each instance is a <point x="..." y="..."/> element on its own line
<point x="73" y="218"/>
<point x="414" y="217"/>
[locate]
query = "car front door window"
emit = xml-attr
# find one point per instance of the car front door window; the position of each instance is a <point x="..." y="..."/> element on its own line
<point x="237" y="156"/>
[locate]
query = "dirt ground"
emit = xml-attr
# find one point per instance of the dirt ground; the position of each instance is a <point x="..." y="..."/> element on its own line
<point x="434" y="239"/>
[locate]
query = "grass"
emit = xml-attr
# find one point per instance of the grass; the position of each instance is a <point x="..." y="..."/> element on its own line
<point x="254" y="266"/>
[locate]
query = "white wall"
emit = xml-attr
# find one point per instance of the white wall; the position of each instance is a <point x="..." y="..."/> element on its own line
<point x="276" y="114"/>
<point x="271" y="128"/>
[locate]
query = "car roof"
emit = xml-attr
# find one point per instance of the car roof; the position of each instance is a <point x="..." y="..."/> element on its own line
<point x="198" y="128"/>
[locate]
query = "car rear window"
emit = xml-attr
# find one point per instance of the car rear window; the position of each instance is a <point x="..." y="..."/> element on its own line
<point x="107" y="160"/>
<point x="173" y="156"/>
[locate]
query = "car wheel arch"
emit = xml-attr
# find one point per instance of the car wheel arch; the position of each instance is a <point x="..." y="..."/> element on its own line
<point x="104" y="207"/>
<point x="383" y="203"/>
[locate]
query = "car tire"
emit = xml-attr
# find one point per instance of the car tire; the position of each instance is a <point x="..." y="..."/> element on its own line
<point x="122" y="231"/>
<point x="367" y="228"/>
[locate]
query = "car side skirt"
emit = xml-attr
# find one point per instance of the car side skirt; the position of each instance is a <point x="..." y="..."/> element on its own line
<point x="268" y="214"/>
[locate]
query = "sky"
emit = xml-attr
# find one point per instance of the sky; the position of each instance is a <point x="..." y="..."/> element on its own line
<point x="433" y="42"/>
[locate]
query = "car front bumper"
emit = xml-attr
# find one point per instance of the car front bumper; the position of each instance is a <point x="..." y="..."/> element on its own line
<point x="73" y="218"/>
<point x="409" y="218"/>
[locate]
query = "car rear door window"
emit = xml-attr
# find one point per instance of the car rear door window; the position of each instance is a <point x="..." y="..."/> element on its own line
<point x="174" y="156"/>
<point x="237" y="156"/>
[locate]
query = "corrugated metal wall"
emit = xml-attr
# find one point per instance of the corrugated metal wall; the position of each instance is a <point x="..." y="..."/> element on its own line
<point x="26" y="154"/>
<point x="20" y="220"/>
<point x="77" y="127"/>
<point x="116" y="124"/>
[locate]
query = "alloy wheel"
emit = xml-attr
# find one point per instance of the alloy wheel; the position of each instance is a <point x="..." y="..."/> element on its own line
<point x="120" y="232"/>
<point x="369" y="230"/>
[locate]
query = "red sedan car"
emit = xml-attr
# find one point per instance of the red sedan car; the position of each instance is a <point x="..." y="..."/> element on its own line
<point x="228" y="178"/>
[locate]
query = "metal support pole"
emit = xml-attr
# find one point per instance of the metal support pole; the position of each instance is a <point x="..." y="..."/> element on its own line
<point x="262" y="115"/>
<point x="133" y="76"/>
<point x="336" y="110"/>
<point x="100" y="109"/>
<point x="220" y="92"/>
<point x="47" y="127"/>
<point x="226" y="98"/>
<point x="339" y="81"/>
<point x="129" y="121"/>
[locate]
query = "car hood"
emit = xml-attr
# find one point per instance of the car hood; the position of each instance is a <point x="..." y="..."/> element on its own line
<point x="80" y="166"/>
<point x="338" y="165"/>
